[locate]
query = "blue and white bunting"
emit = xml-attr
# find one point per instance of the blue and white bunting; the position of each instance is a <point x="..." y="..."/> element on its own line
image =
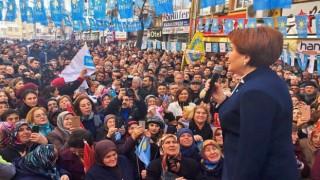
<point x="77" y="9"/>
<point x="125" y="9"/>
<point x="301" y="25"/>
<point x="56" y="11"/>
<point x="215" y="25"/>
<point x="317" y="24"/>
<point x="268" y="21"/>
<point x="252" y="23"/>
<point x="163" y="6"/>
<point x="38" y="12"/>
<point x="282" y="24"/>
<point x="228" y="26"/>
<point x="11" y="11"/>
<point x="206" y="26"/>
<point x="99" y="9"/>
<point x="23" y="10"/>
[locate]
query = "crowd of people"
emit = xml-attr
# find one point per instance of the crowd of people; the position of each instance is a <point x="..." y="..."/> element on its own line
<point x="132" y="94"/>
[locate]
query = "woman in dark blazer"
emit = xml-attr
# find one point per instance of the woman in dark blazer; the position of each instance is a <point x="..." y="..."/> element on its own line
<point x="256" y="119"/>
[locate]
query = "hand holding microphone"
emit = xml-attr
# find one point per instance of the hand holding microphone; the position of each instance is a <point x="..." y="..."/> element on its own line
<point x="215" y="90"/>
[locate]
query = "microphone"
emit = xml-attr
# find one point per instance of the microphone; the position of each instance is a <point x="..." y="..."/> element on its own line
<point x="216" y="74"/>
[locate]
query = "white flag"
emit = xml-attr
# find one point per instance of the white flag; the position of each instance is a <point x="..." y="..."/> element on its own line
<point x="82" y="60"/>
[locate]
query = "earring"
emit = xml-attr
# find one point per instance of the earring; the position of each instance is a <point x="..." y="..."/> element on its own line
<point x="244" y="63"/>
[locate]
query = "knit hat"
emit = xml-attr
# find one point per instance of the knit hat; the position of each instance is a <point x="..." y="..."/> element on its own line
<point x="209" y="142"/>
<point x="156" y="120"/>
<point x="184" y="130"/>
<point x="109" y="116"/>
<point x="310" y="83"/>
<point x="101" y="149"/>
<point x="58" y="82"/>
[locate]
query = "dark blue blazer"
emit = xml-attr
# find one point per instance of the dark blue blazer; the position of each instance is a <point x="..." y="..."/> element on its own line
<point x="257" y="124"/>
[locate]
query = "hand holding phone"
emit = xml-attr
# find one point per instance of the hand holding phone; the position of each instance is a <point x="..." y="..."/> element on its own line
<point x="76" y="122"/>
<point x="142" y="124"/>
<point x="35" y="129"/>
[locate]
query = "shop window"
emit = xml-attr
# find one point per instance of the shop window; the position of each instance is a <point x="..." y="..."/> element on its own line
<point x="10" y="29"/>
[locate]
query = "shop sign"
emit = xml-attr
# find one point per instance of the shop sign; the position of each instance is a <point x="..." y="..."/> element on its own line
<point x="309" y="47"/>
<point x="154" y="33"/>
<point x="176" y="30"/>
<point x="176" y="15"/>
<point x="120" y="36"/>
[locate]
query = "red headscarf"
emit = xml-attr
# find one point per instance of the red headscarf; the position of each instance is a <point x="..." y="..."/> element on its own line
<point x="58" y="82"/>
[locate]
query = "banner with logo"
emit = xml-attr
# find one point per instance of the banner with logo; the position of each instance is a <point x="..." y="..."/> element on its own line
<point x="282" y="21"/>
<point x="163" y="6"/>
<point x="125" y="9"/>
<point x="302" y="22"/>
<point x="195" y="50"/>
<point x="11" y="11"/>
<point x="39" y="14"/>
<point x="77" y="9"/>
<point x="56" y="10"/>
<point x="268" y="21"/>
<point x="99" y="10"/>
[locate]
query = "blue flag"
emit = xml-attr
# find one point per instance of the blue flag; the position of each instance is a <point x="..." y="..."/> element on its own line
<point x="125" y="9"/>
<point x="39" y="14"/>
<point x="57" y="24"/>
<point x="318" y="64"/>
<point x="299" y="59"/>
<point x="158" y="44"/>
<point x="228" y="26"/>
<point x="44" y="22"/>
<point x="11" y="11"/>
<point x="100" y="9"/>
<point x="93" y="24"/>
<point x="23" y="10"/>
<point x="30" y="15"/>
<point x="137" y="26"/>
<point x="56" y="10"/>
<point x="271" y="4"/>
<point x="84" y="25"/>
<point x="215" y="47"/>
<point x="168" y="44"/>
<point x="317" y="23"/>
<point x="200" y="24"/>
<point x="268" y="21"/>
<point x="240" y="23"/>
<point x="149" y="44"/>
<point x="111" y="4"/>
<point x="304" y="62"/>
<point x="301" y="25"/>
<point x="143" y="151"/>
<point x="252" y="23"/>
<point x="206" y="26"/>
<point x="282" y="24"/>
<point x="1" y="7"/>
<point x="67" y="21"/>
<point x="125" y="27"/>
<point x="120" y="26"/>
<point x="138" y="3"/>
<point x="163" y="6"/>
<point x="77" y="9"/>
<point x="215" y="25"/>
<point x="91" y="5"/>
<point x="101" y="25"/>
<point x="178" y="46"/>
<point x="76" y="26"/>
<point x="147" y="22"/>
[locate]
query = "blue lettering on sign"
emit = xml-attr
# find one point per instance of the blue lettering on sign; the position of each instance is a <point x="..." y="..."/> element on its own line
<point x="88" y="61"/>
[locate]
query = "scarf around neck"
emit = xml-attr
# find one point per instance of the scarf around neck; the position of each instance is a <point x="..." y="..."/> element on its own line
<point x="171" y="163"/>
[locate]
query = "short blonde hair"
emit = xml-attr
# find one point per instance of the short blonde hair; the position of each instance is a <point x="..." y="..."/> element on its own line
<point x="29" y="118"/>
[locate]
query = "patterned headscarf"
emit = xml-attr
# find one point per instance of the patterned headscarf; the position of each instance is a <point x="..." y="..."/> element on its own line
<point x="16" y="143"/>
<point x="6" y="129"/>
<point x="60" y="120"/>
<point x="171" y="163"/>
<point x="42" y="158"/>
<point x="209" y="142"/>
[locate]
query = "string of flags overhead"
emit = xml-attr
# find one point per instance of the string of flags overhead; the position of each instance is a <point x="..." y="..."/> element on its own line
<point x="225" y="26"/>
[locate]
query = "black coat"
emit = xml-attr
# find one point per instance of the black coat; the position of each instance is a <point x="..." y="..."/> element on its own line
<point x="206" y="131"/>
<point x="214" y="174"/>
<point x="256" y="122"/>
<point x="123" y="170"/>
<point x="189" y="169"/>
